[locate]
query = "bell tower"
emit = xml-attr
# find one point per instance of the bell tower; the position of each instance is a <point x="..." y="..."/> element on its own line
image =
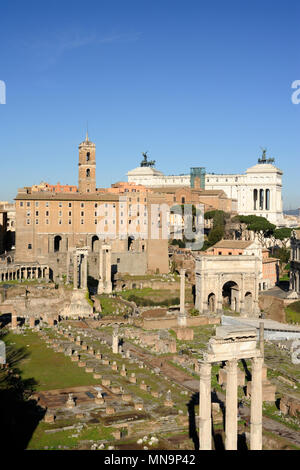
<point x="87" y="166"/>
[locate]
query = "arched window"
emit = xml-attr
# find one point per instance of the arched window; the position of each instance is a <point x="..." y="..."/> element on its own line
<point x="255" y="199"/>
<point x="88" y="156"/>
<point x="183" y="200"/>
<point x="57" y="243"/>
<point x="267" y="199"/>
<point x="95" y="243"/>
<point x="261" y="199"/>
<point x="88" y="173"/>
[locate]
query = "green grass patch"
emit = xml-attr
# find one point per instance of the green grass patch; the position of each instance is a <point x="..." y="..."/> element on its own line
<point x="50" y="369"/>
<point x="293" y="312"/>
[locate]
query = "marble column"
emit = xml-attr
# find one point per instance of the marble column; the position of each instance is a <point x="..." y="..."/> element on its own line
<point x="108" y="270"/>
<point x="182" y="290"/>
<point x="205" y="406"/>
<point x="84" y="272"/>
<point x="115" y="342"/>
<point x="261" y="338"/>
<point x="256" y="404"/>
<point x="68" y="268"/>
<point x="231" y="406"/>
<point x="100" y="283"/>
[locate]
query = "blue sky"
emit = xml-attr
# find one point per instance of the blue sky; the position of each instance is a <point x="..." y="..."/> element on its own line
<point x="193" y="82"/>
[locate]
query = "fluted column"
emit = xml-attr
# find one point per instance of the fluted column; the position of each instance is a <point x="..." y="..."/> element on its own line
<point x="231" y="406"/>
<point x="256" y="404"/>
<point x="205" y="406"/>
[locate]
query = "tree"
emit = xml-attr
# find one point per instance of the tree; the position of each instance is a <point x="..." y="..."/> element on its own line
<point x="260" y="225"/>
<point x="215" y="235"/>
<point x="282" y="234"/>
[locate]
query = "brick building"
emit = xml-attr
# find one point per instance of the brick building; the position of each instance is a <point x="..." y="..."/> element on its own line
<point x="51" y="223"/>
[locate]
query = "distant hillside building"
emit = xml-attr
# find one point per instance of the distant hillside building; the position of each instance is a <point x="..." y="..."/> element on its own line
<point x="258" y="191"/>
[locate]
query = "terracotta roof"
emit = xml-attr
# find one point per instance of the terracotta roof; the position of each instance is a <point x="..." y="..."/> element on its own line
<point x="270" y="260"/>
<point x="48" y="196"/>
<point x="239" y="244"/>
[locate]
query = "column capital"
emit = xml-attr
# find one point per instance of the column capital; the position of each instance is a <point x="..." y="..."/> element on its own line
<point x="231" y="365"/>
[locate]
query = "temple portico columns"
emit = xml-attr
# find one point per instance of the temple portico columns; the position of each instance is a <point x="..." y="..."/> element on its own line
<point x="256" y="404"/>
<point x="205" y="406"/>
<point x="231" y="406"/>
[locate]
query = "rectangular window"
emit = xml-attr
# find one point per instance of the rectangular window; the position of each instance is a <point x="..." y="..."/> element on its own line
<point x="21" y="204"/>
<point x="82" y="214"/>
<point x="28" y="213"/>
<point x="36" y="221"/>
<point x="59" y="222"/>
<point x="29" y="246"/>
<point x="47" y="204"/>
<point x="70" y="204"/>
<point x="36" y="213"/>
<point x="60" y="204"/>
<point x="47" y="221"/>
<point x="118" y="260"/>
<point x="59" y="213"/>
<point x="70" y="221"/>
<point x="96" y="205"/>
<point x="28" y="204"/>
<point x="47" y="213"/>
<point x="36" y="204"/>
<point x="95" y="222"/>
<point x="70" y="213"/>
<point x="82" y="204"/>
<point x="28" y="221"/>
<point x="95" y="213"/>
<point x="82" y="221"/>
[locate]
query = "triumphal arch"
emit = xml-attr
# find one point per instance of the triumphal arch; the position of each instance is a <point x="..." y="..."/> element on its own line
<point x="230" y="281"/>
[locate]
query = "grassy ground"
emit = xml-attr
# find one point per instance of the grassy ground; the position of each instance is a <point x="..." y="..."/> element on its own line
<point x="65" y="438"/>
<point x="152" y="297"/>
<point x="293" y="312"/>
<point x="50" y="369"/>
<point x="110" y="305"/>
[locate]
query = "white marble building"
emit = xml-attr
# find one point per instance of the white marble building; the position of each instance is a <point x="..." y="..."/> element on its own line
<point x="258" y="190"/>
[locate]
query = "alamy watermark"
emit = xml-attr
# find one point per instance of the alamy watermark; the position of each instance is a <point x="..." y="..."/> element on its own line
<point x="151" y="222"/>
<point x="296" y="95"/>
<point x="2" y="353"/>
<point x="2" y="92"/>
